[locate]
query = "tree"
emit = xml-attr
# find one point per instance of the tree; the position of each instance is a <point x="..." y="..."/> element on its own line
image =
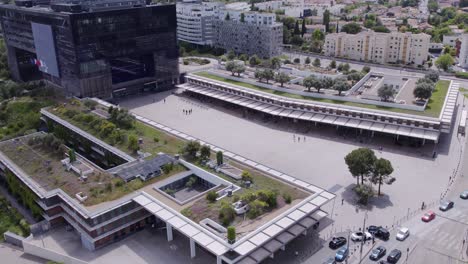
<point x="351" y="28"/>
<point x="303" y="28"/>
<point x="361" y="163"/>
<point x="259" y="74"/>
<point x="231" y="66"/>
<point x="307" y="60"/>
<point x="382" y="169"/>
<point x="205" y="152"/>
<point x="239" y="68"/>
<point x="231" y="234"/>
<point x="296" y="29"/>
<point x="344" y="67"/>
<point x="309" y="82"/>
<point x="254" y="60"/>
<point x="382" y="28"/>
<point x="318" y="35"/>
<point x="385" y="92"/>
<point x="341" y="86"/>
<point x="366" y="69"/>
<point x="297" y="40"/>
<point x="332" y="64"/>
<point x="133" y="143"/>
<point x="231" y="55"/>
<point x="444" y="62"/>
<point x="364" y="192"/>
<point x="219" y="158"/>
<point x="432" y="75"/>
<point x="326" y="82"/>
<point x="326" y="20"/>
<point x="246" y="176"/>
<point x="190" y="149"/>
<point x="275" y="63"/>
<point x="268" y="75"/>
<point x="282" y="77"/>
<point x="354" y="76"/>
<point x="316" y="62"/>
<point x="423" y="91"/>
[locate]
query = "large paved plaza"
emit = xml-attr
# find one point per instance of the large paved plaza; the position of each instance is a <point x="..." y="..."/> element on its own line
<point x="317" y="158"/>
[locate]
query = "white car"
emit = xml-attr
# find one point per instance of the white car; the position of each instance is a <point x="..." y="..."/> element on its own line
<point x="402" y="234"/>
<point x="358" y="236"/>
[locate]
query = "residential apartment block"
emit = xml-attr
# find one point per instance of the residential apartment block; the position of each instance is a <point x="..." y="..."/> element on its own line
<point x="395" y="47"/>
<point x="195" y="21"/>
<point x="463" y="57"/>
<point x="249" y="32"/>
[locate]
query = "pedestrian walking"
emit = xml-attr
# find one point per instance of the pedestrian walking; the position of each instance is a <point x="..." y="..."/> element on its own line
<point x="304" y="138"/>
<point x="298" y="139"/>
<point x="342" y="201"/>
<point x="164" y="100"/>
<point x="183" y="110"/>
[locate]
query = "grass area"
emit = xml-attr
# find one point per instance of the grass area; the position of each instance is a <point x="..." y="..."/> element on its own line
<point x="21" y="116"/>
<point x="154" y="141"/>
<point x="11" y="220"/>
<point x="432" y="110"/>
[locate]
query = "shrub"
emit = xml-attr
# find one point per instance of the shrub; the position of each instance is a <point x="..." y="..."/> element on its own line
<point x="235" y="198"/>
<point x="167" y="168"/>
<point x="133" y="143"/>
<point x="246" y="176"/>
<point x="231" y="234"/>
<point x="257" y="208"/>
<point x="211" y="196"/>
<point x="205" y="152"/>
<point x="226" y="214"/>
<point x="248" y="197"/>
<point x="189" y="184"/>
<point x="156" y="140"/>
<point x="287" y="198"/>
<point x="462" y="75"/>
<point x="219" y="158"/>
<point x="190" y="149"/>
<point x="169" y="191"/>
<point x="297" y="60"/>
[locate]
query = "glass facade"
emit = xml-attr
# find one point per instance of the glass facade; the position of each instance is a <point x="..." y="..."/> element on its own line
<point x="98" y="52"/>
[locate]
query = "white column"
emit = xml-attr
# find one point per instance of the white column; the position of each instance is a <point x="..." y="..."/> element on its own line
<point x="192" y="248"/>
<point x="218" y="260"/>
<point x="169" y="232"/>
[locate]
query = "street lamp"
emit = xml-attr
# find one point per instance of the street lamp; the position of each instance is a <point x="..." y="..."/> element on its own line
<point x="363" y="237"/>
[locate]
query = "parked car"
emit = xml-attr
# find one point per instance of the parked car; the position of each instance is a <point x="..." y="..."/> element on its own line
<point x="378" y="253"/>
<point x="342" y="254"/>
<point x="331" y="260"/>
<point x="464" y="195"/>
<point x="359" y="236"/>
<point x="429" y="216"/>
<point x="394" y="256"/>
<point x="446" y="205"/>
<point x="402" y="234"/>
<point x="382" y="233"/>
<point x="372" y="229"/>
<point x="337" y="242"/>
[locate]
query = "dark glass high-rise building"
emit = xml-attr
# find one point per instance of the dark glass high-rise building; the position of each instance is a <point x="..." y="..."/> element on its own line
<point x="100" y="48"/>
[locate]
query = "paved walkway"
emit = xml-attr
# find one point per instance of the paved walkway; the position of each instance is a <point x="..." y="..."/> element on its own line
<point x="317" y="158"/>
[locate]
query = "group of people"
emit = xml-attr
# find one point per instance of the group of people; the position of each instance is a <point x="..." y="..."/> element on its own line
<point x="187" y="112"/>
<point x="298" y="138"/>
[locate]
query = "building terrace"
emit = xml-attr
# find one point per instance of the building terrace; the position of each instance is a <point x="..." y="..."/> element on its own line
<point x="120" y="215"/>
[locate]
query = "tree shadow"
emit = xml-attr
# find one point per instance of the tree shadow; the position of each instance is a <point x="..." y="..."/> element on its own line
<point x="349" y="196"/>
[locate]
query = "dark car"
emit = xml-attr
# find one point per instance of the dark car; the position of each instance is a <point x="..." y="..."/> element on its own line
<point x="382" y="233"/>
<point x="446" y="205"/>
<point x="337" y="242"/>
<point x="394" y="256"/>
<point x="372" y="229"/>
<point x="377" y="253"/>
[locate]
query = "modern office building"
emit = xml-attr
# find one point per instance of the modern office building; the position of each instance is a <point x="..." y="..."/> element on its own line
<point x="101" y="48"/>
<point x="395" y="47"/>
<point x="195" y="21"/>
<point x="463" y="57"/>
<point x="249" y="32"/>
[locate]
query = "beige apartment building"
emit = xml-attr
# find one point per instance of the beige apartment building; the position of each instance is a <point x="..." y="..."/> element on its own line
<point x="395" y="47"/>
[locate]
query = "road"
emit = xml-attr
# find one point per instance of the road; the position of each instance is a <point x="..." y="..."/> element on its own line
<point x="357" y="65"/>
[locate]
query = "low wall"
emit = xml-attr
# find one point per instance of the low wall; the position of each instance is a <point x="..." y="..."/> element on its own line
<point x="13" y="239"/>
<point x="49" y="254"/>
<point x="317" y="95"/>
